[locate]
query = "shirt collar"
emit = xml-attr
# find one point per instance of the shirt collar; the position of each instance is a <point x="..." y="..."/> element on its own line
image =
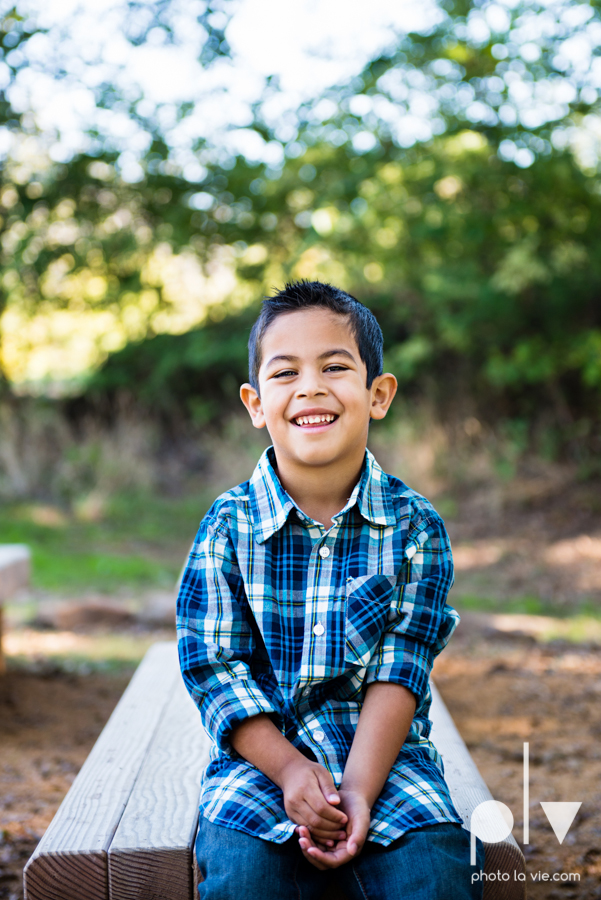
<point x="271" y="504"/>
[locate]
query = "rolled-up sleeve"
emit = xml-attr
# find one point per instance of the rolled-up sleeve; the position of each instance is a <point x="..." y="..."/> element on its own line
<point x="420" y="621"/>
<point x="215" y="640"/>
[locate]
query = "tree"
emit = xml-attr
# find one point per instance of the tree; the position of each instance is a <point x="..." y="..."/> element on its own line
<point x="423" y="187"/>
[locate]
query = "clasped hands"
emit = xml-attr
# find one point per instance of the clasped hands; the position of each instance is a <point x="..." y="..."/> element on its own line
<point x="332" y="824"/>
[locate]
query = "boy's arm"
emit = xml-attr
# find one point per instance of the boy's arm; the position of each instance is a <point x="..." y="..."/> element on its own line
<point x="421" y="622"/>
<point x="215" y="641"/>
<point x="383" y="724"/>
<point x="310" y="796"/>
<point x="216" y="647"/>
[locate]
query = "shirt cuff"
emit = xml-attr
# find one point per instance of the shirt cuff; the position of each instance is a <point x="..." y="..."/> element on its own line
<point x="401" y="660"/>
<point x="227" y="705"/>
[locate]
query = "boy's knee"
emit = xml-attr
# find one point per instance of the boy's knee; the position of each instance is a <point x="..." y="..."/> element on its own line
<point x="430" y="863"/>
<point x="233" y="865"/>
<point x="451" y="867"/>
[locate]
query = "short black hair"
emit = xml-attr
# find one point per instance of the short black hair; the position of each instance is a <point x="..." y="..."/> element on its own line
<point x="301" y="295"/>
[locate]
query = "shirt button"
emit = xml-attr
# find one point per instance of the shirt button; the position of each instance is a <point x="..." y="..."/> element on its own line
<point x="307" y="691"/>
<point x="324" y="552"/>
<point x="318" y="629"/>
<point x="318" y="736"/>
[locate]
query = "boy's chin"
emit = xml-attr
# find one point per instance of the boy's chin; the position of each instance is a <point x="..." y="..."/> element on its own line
<point x="313" y="457"/>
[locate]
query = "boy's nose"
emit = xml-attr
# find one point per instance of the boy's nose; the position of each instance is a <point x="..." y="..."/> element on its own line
<point x="311" y="386"/>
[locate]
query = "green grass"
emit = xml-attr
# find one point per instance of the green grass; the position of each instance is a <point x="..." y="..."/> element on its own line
<point x="533" y="606"/>
<point x="530" y="605"/>
<point x="141" y="541"/>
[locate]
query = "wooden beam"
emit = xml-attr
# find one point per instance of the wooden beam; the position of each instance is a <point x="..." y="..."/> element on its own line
<point x="15" y="564"/>
<point x="151" y="853"/>
<point x="468" y="789"/>
<point x="71" y="860"/>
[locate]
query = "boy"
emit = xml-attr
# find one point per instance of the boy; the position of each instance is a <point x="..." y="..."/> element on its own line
<point x="309" y="614"/>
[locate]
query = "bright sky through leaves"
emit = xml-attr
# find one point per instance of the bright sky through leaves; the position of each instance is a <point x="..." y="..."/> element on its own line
<point x="308" y="46"/>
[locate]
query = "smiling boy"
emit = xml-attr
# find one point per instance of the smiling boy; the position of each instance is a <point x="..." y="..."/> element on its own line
<point x="310" y="611"/>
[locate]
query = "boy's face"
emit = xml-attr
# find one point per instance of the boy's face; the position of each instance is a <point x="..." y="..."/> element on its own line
<point x="314" y="400"/>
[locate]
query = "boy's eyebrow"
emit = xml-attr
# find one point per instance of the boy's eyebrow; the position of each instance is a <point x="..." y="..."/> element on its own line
<point x="336" y="353"/>
<point x="290" y="358"/>
<point x="283" y="356"/>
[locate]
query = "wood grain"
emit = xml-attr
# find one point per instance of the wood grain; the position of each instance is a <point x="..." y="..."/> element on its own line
<point x="466" y="785"/>
<point x="468" y="789"/>
<point x="151" y="853"/>
<point x="71" y="860"/>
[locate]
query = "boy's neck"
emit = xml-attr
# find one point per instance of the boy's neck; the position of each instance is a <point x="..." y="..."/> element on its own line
<point x="321" y="491"/>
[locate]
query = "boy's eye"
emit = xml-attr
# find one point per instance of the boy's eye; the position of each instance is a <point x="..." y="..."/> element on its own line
<point x="336" y="368"/>
<point x="286" y="373"/>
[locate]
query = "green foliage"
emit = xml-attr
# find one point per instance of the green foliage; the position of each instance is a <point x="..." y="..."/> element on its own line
<point x="198" y="373"/>
<point x="475" y="239"/>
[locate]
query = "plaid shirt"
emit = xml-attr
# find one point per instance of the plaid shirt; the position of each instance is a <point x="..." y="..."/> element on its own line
<point x="278" y="614"/>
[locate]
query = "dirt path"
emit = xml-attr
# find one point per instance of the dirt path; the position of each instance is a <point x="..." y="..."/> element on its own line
<point x="503" y="692"/>
<point x="48" y="725"/>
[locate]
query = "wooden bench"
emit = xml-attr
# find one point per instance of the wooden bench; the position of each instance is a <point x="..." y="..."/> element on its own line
<point x="14" y="575"/>
<point x="126" y="829"/>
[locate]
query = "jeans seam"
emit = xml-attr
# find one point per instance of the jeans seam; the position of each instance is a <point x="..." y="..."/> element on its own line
<point x="298" y="890"/>
<point x="360" y="883"/>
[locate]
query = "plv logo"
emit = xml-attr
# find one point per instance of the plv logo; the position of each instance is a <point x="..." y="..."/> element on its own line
<point x="492" y="821"/>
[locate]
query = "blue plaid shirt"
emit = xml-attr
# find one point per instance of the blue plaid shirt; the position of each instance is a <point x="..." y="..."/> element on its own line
<point x="280" y="615"/>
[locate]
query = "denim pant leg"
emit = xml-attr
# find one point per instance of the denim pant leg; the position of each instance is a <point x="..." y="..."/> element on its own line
<point x="430" y="863"/>
<point x="237" y="866"/>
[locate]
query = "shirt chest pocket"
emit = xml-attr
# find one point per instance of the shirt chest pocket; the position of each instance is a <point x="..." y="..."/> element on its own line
<point x="368" y="601"/>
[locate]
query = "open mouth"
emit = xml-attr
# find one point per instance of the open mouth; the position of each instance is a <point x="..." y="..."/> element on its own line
<point x="312" y="421"/>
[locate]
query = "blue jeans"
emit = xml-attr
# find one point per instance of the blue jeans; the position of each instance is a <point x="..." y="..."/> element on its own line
<point x="430" y="863"/>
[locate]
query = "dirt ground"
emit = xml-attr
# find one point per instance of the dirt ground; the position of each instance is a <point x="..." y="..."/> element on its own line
<point x="501" y="689"/>
<point x="49" y="722"/>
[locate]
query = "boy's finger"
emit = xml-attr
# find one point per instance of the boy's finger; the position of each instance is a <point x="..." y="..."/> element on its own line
<point x="328" y="788"/>
<point x="325" y="810"/>
<point x="312" y="818"/>
<point x="331" y="859"/>
<point x="305" y="841"/>
<point x="356" y="839"/>
<point x="325" y="835"/>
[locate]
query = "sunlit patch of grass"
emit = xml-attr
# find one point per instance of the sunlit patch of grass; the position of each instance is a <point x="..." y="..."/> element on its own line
<point x="532" y="606"/>
<point x="527" y="605"/>
<point x="82" y="653"/>
<point x="542" y="620"/>
<point x="576" y="629"/>
<point x="67" y="571"/>
<point x="140" y="542"/>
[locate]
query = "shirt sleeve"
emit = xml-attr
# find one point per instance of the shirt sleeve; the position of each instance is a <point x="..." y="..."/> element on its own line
<point x="420" y="621"/>
<point x="215" y="640"/>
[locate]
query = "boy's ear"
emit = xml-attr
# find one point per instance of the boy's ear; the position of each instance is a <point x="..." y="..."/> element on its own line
<point x="383" y="389"/>
<point x="252" y="402"/>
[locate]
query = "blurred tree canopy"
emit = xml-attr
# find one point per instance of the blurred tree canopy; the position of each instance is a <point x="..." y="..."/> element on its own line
<point x="453" y="186"/>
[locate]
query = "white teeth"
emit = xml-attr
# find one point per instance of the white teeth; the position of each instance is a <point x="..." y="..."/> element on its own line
<point x="314" y="420"/>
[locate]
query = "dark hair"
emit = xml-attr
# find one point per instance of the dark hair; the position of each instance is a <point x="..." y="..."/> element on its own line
<point x="301" y="295"/>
